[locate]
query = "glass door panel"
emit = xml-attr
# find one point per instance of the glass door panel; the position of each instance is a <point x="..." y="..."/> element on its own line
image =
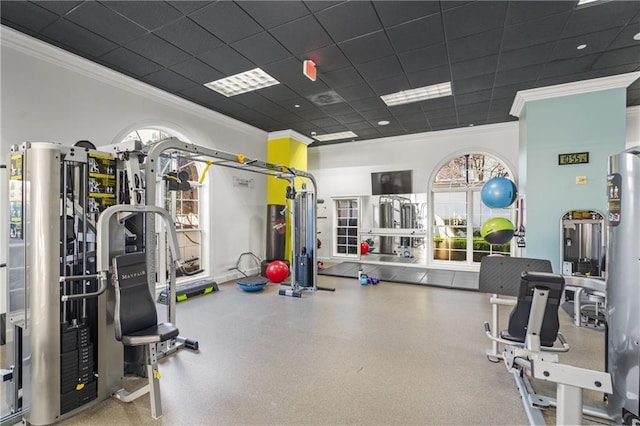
<point x="450" y="226"/>
<point x="346" y="227"/>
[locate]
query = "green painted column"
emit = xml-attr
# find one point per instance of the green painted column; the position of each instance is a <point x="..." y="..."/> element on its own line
<point x="560" y="120"/>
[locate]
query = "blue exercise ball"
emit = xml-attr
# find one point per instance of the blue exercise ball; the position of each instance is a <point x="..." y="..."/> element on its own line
<point x="498" y="193"/>
<point x="497" y="230"/>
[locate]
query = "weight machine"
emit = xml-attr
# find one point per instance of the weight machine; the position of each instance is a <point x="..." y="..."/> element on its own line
<point x="409" y="217"/>
<point x="303" y="202"/>
<point x="530" y="351"/>
<point x="526" y="357"/>
<point x="66" y="224"/>
<point x="72" y="210"/>
<point x="623" y="283"/>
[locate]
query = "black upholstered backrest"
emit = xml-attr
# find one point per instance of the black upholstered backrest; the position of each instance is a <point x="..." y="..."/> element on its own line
<point x="501" y="274"/>
<point x="135" y="308"/>
<point x="519" y="317"/>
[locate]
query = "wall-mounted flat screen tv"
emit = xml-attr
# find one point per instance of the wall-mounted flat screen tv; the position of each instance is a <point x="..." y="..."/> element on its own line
<point x="386" y="183"/>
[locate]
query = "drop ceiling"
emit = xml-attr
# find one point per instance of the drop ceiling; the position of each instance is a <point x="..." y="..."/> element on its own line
<point x="489" y="50"/>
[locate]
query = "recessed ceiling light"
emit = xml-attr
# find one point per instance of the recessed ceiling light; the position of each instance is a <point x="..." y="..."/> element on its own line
<point x="335" y="136"/>
<point x="419" y="94"/>
<point x="583" y="2"/>
<point x="244" y="82"/>
<point x="637" y="37"/>
<point x="296" y="106"/>
<point x="582" y="46"/>
<point x="383" y="122"/>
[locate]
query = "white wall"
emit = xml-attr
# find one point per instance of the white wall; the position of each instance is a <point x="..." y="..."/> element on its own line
<point x="47" y="94"/>
<point x="50" y="95"/>
<point x="344" y="169"/>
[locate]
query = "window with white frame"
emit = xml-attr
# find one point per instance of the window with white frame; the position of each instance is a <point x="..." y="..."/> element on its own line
<point x="458" y="212"/>
<point x="346" y="215"/>
<point x="183" y="203"/>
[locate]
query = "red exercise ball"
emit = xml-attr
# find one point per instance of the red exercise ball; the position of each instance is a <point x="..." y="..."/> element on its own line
<point x="277" y="271"/>
<point x="364" y="248"/>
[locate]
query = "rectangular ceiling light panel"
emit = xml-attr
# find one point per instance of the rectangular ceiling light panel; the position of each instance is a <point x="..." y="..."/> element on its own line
<point x="583" y="2"/>
<point x="244" y="82"/>
<point x="419" y="94"/>
<point x="335" y="136"/>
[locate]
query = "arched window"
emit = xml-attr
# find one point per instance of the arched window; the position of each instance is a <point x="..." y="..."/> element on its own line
<point x="183" y="202"/>
<point x="147" y="136"/>
<point x="458" y="212"/>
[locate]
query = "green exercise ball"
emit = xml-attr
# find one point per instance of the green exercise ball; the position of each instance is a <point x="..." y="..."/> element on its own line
<point x="497" y="230"/>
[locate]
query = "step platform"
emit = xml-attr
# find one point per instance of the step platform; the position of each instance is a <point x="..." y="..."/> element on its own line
<point x="186" y="291"/>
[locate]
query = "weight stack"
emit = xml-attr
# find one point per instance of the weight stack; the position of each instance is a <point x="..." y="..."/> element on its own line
<point x="304" y="271"/>
<point x="77" y="382"/>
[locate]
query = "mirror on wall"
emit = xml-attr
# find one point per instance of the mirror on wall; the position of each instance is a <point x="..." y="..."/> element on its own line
<point x="394" y="228"/>
<point x="583" y="243"/>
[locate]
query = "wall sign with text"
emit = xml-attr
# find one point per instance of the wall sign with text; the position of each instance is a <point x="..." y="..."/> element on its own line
<point x="574" y="158"/>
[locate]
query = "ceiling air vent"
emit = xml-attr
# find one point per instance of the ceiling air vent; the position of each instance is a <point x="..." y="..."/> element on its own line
<point x="325" y="98"/>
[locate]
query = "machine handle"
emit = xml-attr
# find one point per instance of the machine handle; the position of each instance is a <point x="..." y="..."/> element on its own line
<point x="78" y="277"/>
<point x="102" y="261"/>
<point x="98" y="292"/>
<point x="564" y="348"/>
<point x="564" y="343"/>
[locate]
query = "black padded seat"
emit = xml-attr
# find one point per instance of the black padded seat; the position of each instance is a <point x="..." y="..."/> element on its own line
<point x="519" y="317"/>
<point x="155" y="334"/>
<point x="136" y="319"/>
<point x="136" y="323"/>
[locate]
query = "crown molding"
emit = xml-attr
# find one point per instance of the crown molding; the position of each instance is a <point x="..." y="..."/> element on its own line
<point x="574" y="88"/>
<point x="10" y="38"/>
<point x="289" y="134"/>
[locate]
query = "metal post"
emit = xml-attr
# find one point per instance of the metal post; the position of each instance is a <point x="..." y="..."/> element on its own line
<point x="154" y="382"/>
<point x="536" y="315"/>
<point x="294" y="242"/>
<point x="577" y="306"/>
<point x="495" y="319"/>
<point x="569" y="409"/>
<point x="42" y="393"/>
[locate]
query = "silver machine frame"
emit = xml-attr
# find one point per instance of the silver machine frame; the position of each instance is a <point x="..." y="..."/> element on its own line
<point x="41" y="289"/>
<point x="306" y="196"/>
<point x="530" y="359"/>
<point x="34" y="339"/>
<point x="620" y="382"/>
<point x="623" y="285"/>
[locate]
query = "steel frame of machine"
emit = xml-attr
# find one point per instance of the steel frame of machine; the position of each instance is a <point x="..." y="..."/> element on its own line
<point x="65" y="226"/>
<point x="303" y="201"/>
<point x="73" y="194"/>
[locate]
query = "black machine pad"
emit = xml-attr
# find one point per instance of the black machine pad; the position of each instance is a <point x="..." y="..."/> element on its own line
<point x="519" y="317"/>
<point x="136" y="319"/>
<point x="501" y="274"/>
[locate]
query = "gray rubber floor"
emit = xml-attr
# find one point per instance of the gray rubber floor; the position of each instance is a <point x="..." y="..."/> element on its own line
<point x="407" y="275"/>
<point x="390" y="354"/>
